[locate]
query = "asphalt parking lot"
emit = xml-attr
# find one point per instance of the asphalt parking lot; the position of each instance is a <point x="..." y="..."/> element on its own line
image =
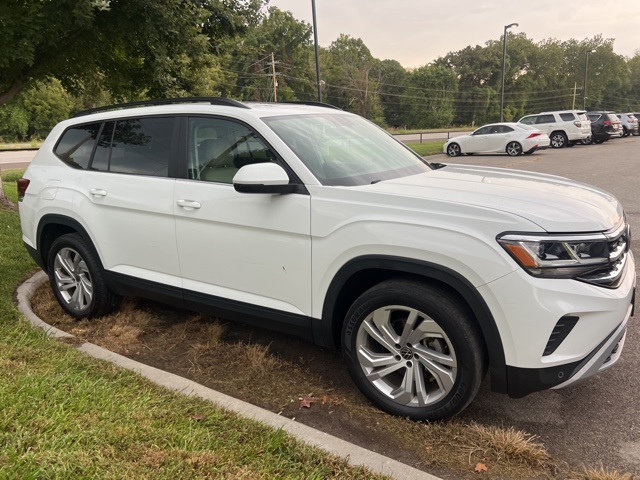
<point x="597" y="421"/>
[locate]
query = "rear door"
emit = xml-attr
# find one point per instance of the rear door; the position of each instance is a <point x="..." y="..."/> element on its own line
<point x="126" y="198"/>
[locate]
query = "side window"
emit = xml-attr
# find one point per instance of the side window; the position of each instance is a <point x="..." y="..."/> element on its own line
<point x="505" y="129"/>
<point x="140" y="146"/>
<point x="482" y="131"/>
<point x="103" y="149"/>
<point x="76" y="145"/>
<point x="567" y="117"/>
<point x="218" y="148"/>
<point x="545" y="119"/>
<point x="528" y="120"/>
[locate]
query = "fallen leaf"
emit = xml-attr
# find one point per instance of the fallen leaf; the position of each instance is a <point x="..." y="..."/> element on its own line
<point x="480" y="467"/>
<point x="307" y="401"/>
<point x="325" y="399"/>
<point x="197" y="417"/>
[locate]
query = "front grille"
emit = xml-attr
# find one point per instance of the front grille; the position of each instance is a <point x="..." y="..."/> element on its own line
<point x="611" y="275"/>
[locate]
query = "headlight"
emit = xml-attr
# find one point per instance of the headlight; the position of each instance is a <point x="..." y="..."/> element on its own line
<point x="558" y="256"/>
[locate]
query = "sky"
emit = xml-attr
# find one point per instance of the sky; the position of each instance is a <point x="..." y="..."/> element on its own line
<point x="416" y="32"/>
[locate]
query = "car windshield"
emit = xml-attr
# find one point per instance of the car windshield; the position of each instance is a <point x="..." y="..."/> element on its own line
<point x="346" y="150"/>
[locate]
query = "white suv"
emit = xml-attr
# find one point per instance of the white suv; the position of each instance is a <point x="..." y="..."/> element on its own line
<point x="565" y="128"/>
<point x="313" y="221"/>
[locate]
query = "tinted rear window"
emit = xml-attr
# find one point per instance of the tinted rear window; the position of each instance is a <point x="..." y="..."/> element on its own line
<point x="567" y="117"/>
<point x="142" y="146"/>
<point x="76" y="144"/>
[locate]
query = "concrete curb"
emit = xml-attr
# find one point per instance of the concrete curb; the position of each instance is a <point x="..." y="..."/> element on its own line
<point x="354" y="454"/>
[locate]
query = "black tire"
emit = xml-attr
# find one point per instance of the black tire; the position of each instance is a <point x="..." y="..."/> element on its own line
<point x="598" y="141"/>
<point x="76" y="279"/>
<point x="570" y="144"/>
<point x="514" y="149"/>
<point x="558" y="140"/>
<point x="447" y="343"/>
<point x="453" y="150"/>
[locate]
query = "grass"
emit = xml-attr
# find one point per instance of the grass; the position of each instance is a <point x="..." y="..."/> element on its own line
<point x="20" y="145"/>
<point x="406" y="131"/>
<point x="65" y="415"/>
<point x="427" y="148"/>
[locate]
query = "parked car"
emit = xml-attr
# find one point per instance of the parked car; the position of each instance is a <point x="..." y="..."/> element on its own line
<point x="603" y="126"/>
<point x="510" y="138"/>
<point x="629" y="124"/>
<point x="565" y="128"/>
<point x="313" y="221"/>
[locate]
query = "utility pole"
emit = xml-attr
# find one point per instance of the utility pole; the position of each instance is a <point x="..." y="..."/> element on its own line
<point x="315" y="46"/>
<point x="275" y="82"/>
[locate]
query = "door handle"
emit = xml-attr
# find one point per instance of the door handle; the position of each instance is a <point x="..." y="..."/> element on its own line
<point x="188" y="204"/>
<point x="98" y="192"/>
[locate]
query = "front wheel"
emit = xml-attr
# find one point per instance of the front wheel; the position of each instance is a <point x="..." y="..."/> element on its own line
<point x="453" y="150"/>
<point x="413" y="350"/>
<point x="76" y="279"/>
<point x="514" y="149"/>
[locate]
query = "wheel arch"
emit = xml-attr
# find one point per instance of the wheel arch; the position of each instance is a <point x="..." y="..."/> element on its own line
<point x="52" y="226"/>
<point x="360" y="274"/>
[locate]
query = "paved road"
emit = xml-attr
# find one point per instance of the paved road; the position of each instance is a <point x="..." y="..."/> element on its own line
<point x="597" y="421"/>
<point x="16" y="159"/>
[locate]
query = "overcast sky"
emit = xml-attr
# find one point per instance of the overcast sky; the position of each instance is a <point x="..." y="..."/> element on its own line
<point x="416" y="32"/>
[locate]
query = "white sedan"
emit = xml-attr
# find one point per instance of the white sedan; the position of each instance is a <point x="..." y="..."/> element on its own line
<point x="511" y="138"/>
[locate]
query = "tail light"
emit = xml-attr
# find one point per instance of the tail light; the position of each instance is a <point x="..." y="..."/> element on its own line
<point x="23" y="183"/>
<point x="607" y="122"/>
<point x="533" y="135"/>
<point x="577" y="123"/>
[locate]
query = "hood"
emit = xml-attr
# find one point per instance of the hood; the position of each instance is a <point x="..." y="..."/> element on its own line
<point x="556" y="204"/>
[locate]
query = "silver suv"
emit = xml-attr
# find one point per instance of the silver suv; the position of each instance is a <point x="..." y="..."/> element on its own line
<point x="565" y="128"/>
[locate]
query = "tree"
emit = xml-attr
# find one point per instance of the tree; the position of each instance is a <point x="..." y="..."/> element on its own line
<point x="350" y="83"/>
<point x="429" y="100"/>
<point x="289" y="39"/>
<point x="392" y="78"/>
<point x="139" y="47"/>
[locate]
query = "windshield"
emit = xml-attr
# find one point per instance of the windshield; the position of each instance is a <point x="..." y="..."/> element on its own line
<point x="346" y="149"/>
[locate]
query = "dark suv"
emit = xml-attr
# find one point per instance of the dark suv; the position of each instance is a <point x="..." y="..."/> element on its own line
<point x="602" y="125"/>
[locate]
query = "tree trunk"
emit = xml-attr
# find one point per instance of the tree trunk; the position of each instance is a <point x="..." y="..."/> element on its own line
<point x="13" y="90"/>
<point x="4" y="200"/>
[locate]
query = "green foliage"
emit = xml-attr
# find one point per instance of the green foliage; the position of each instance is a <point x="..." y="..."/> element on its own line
<point x="35" y="111"/>
<point x="289" y="40"/>
<point x="139" y="47"/>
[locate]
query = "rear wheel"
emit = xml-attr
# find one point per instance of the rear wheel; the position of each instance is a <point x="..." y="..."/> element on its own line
<point x="453" y="150"/>
<point x="413" y="350"/>
<point x="514" y="149"/>
<point x="76" y="279"/>
<point x="558" y="139"/>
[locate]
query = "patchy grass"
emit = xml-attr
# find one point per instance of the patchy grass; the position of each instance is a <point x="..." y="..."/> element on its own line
<point x="603" y="474"/>
<point x="65" y="415"/>
<point x="406" y="131"/>
<point x="20" y="145"/>
<point x="424" y="149"/>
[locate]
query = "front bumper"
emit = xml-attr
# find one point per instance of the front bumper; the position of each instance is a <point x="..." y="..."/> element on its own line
<point x="528" y="312"/>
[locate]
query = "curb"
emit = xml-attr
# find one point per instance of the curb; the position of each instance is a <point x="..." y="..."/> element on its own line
<point x="354" y="454"/>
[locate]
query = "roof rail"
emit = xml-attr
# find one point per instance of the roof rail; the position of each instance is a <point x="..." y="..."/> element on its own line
<point x="315" y="104"/>
<point x="165" y="101"/>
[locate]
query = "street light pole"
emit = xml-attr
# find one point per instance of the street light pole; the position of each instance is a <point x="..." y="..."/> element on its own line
<point x="504" y="58"/>
<point x="315" y="44"/>
<point x="584" y="85"/>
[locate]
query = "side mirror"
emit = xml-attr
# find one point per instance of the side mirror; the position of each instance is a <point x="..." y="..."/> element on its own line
<point x="269" y="178"/>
